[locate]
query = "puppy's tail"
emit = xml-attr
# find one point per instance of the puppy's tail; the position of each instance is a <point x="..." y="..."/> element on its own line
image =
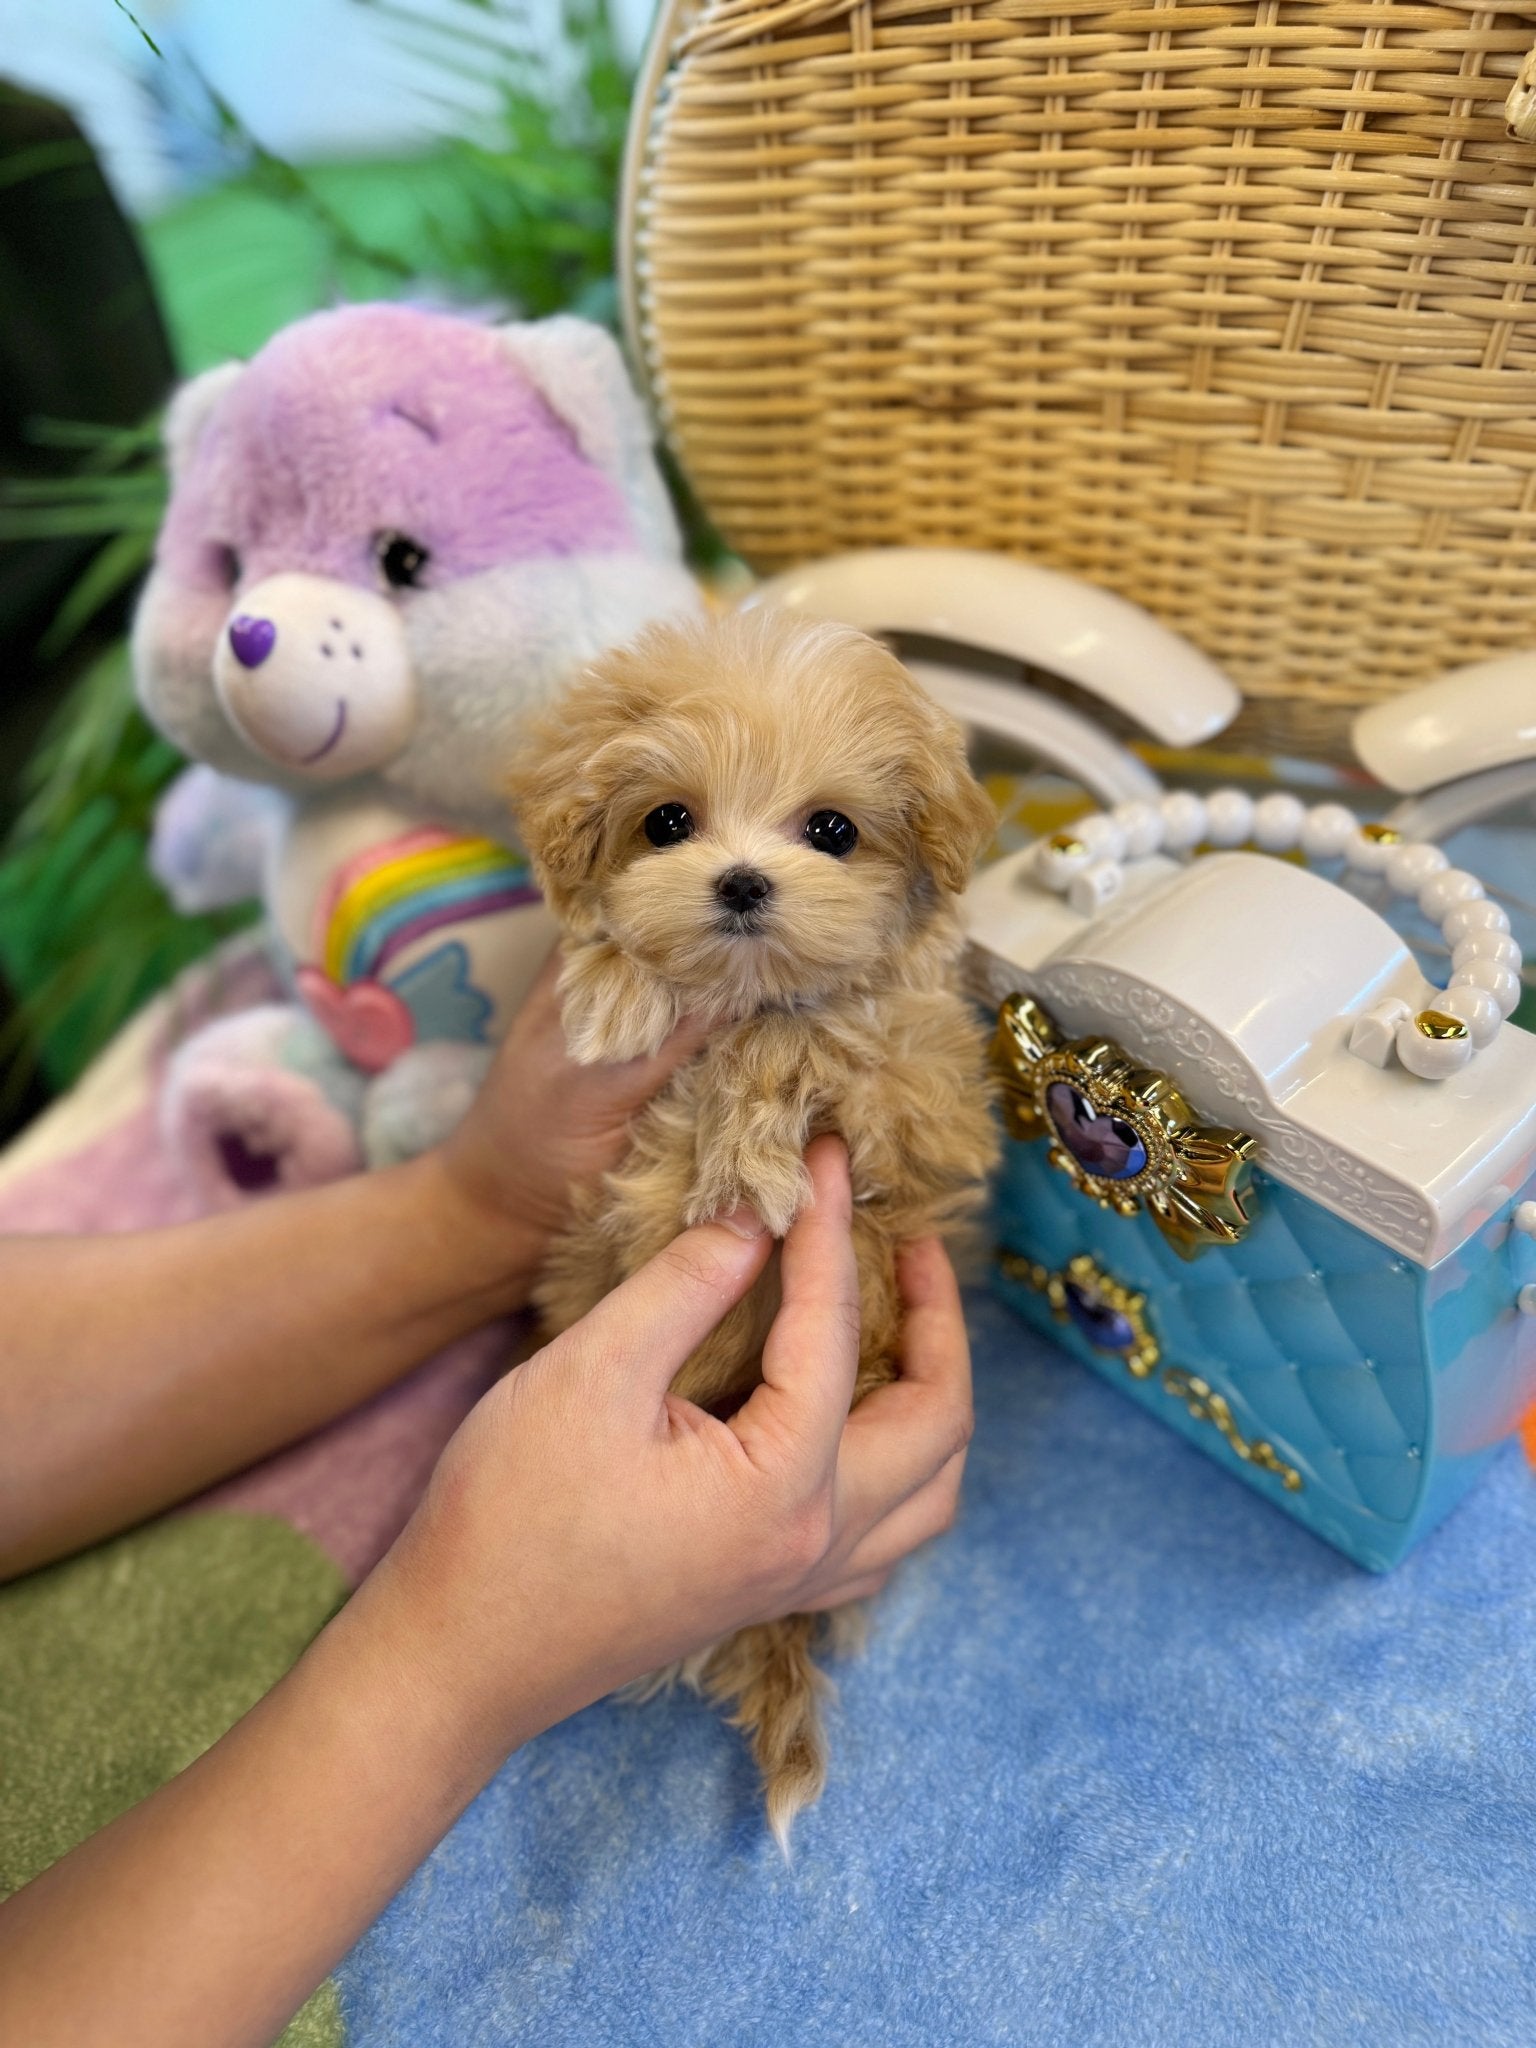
<point x="767" y="1675"/>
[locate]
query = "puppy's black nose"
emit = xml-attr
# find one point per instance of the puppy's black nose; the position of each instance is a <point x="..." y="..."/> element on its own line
<point x="743" y="890"/>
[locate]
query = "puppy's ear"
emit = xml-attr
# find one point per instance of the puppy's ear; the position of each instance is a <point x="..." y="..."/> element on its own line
<point x="579" y="759"/>
<point x="573" y="768"/>
<point x="561" y="835"/>
<point x="559" y="811"/>
<point x="954" y="818"/>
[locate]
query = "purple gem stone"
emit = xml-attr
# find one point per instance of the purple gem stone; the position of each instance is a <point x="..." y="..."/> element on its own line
<point x="1105" y="1328"/>
<point x="1102" y="1145"/>
<point x="251" y="640"/>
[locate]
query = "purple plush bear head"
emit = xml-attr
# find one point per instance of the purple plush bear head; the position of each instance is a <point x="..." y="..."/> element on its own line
<point x="390" y="535"/>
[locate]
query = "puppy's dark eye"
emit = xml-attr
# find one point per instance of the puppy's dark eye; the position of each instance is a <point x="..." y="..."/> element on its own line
<point x="668" y="823"/>
<point x="830" y="832"/>
<point x="402" y="559"/>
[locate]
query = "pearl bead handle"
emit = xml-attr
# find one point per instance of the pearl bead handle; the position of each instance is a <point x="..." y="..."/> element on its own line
<point x="1086" y="863"/>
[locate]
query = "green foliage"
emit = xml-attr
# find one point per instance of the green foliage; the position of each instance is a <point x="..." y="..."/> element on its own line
<point x="522" y="215"/>
<point x="85" y="933"/>
<point x="232" y="263"/>
<point x="117" y="488"/>
<point x="541" y="196"/>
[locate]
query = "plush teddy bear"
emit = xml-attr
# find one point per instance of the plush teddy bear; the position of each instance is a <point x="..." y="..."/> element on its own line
<point x="390" y="536"/>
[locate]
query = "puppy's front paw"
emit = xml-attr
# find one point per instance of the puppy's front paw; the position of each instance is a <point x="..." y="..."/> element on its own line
<point x="596" y="1040"/>
<point x="778" y="1189"/>
<point x="610" y="1010"/>
<point x="779" y="1198"/>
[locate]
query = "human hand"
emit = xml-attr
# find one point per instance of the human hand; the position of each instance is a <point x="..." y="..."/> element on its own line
<point x="542" y="1124"/>
<point x="586" y="1526"/>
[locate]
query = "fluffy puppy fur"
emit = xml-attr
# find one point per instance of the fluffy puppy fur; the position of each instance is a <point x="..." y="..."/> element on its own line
<point x="828" y="965"/>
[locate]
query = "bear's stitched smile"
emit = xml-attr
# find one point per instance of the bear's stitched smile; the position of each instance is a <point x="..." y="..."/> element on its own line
<point x="306" y="760"/>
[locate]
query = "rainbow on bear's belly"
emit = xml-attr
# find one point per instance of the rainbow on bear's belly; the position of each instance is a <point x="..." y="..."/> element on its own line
<point x="386" y="900"/>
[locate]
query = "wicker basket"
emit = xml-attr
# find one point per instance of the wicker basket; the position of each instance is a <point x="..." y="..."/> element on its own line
<point x="1225" y="307"/>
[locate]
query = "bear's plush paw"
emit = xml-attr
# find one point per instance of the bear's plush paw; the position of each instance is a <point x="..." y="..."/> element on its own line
<point x="416" y="1102"/>
<point x="257" y="1103"/>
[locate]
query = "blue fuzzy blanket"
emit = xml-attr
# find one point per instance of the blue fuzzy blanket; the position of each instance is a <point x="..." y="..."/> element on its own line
<point x="1130" y="1759"/>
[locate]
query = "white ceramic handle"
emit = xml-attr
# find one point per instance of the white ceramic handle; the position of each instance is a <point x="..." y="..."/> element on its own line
<point x="1042" y="728"/>
<point x="1475" y="718"/>
<point x="1039" y="616"/>
<point x="1439" y="813"/>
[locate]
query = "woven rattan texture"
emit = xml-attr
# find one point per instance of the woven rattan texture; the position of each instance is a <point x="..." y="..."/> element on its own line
<point x="1227" y="308"/>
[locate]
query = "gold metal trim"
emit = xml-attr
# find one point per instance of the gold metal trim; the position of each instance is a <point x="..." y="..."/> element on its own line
<point x="1206" y="1405"/>
<point x="1085" y="1273"/>
<point x="1195" y="1184"/>
<point x="1198" y="1395"/>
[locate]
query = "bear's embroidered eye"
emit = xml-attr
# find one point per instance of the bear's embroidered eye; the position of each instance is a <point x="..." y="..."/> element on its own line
<point x="830" y="832"/>
<point x="227" y="566"/>
<point x="668" y="823"/>
<point x="402" y="560"/>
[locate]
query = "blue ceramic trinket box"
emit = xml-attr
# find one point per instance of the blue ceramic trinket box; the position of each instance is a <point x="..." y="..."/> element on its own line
<point x="1262" y="1176"/>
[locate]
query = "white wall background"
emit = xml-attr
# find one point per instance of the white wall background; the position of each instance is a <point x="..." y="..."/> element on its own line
<point x="309" y="78"/>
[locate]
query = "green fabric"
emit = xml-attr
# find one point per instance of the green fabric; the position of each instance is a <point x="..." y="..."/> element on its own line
<point x="118" y="1667"/>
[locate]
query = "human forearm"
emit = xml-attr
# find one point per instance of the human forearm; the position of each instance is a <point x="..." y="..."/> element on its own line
<point x="135" y="1369"/>
<point x="208" y="1914"/>
<point x="547" y="1564"/>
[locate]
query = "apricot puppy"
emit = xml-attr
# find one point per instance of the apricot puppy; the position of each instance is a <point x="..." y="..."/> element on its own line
<point x="764" y="820"/>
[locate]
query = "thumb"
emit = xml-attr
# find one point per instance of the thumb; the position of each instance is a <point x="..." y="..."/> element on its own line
<point x="633" y="1342"/>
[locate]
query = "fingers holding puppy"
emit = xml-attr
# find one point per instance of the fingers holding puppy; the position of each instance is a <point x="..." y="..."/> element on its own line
<point x="905" y="1435"/>
<point x="923" y="1515"/>
<point x="796" y="1417"/>
<point x="901" y="1459"/>
<point x="628" y="1349"/>
<point x="873" y="1484"/>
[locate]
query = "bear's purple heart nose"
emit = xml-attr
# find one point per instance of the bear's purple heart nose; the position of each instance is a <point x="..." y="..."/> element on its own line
<point x="251" y="640"/>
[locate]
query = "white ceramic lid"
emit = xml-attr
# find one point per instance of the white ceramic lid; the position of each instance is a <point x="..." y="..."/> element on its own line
<point x="1239" y="976"/>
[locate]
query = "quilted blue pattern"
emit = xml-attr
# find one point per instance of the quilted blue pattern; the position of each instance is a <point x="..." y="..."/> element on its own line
<point x="1385" y="1385"/>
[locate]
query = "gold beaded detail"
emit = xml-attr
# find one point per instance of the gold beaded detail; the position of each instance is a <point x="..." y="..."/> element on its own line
<point x="1142" y="1358"/>
<point x="1206" y="1405"/>
<point x="1436" y="1024"/>
<point x="1085" y="1277"/>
